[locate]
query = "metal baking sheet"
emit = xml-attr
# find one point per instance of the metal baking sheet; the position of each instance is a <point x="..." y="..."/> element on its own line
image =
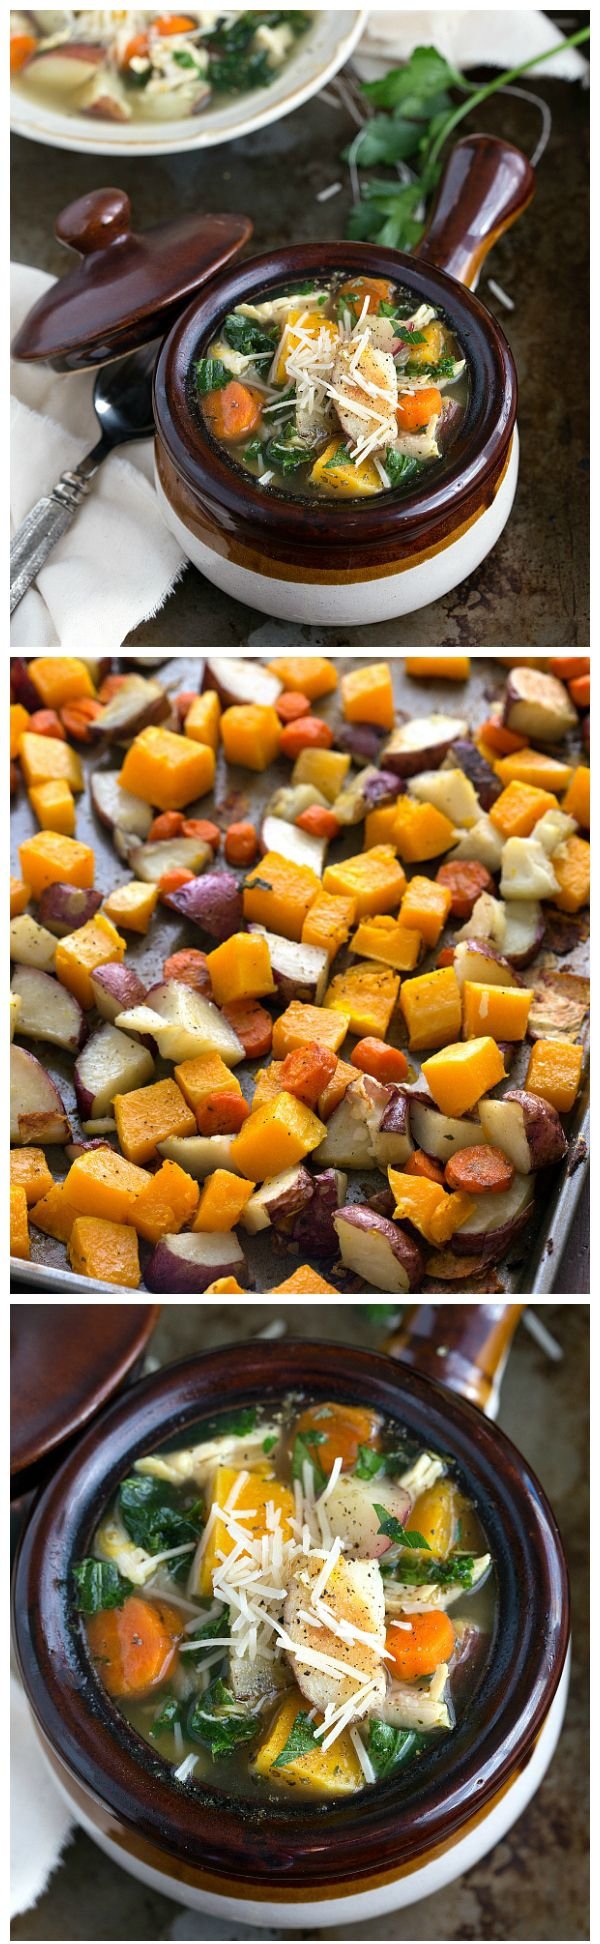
<point x="534" y="1267"/>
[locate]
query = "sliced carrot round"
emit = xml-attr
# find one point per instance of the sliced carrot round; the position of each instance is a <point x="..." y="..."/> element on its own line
<point x="419" y="1644"/>
<point x="134" y="1646"/>
<point x="479" y="1171"/>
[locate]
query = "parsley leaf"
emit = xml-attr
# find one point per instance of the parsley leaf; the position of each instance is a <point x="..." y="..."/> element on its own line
<point x="300" y="1740"/>
<point x="303" y="1454"/>
<point x="341" y="456"/>
<point x="368" y="1462"/>
<point x="268" y="1443"/>
<point x="399" y="1533"/>
<point x="99" y="1585"/>
<point x="455" y="1571"/>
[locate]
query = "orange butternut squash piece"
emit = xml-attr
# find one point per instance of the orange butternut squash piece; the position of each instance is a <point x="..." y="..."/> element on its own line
<point x="576" y="803"/>
<point x="438" y="668"/>
<point x="368" y="696"/>
<point x="421" y="831"/>
<point x="222" y="1201"/>
<point x="29" y="1170"/>
<point x="388" y="941"/>
<point x="305" y="1282"/>
<point x="251" y="735"/>
<point x="240" y="968"/>
<point x="107" y="1251"/>
<point x="19" y="722"/>
<point x="255" y="1492"/>
<point x="554" y="1073"/>
<point x="151" y="1114"/>
<point x="431" y="1210"/>
<point x="54" y="1213"/>
<point x="366" y="996"/>
<point x="226" y="1286"/>
<point x="205" y="1074"/>
<point x="202" y="721"/>
<point x="530" y="766"/>
<point x="167" y="1202"/>
<point x="299" y="1024"/>
<point x="436" y="1513"/>
<point x="77" y="955"/>
<point x="45" y="759"/>
<point x="279" y="894"/>
<point x="52" y="804"/>
<point x="336" y="1087"/>
<point x="19" y="1222"/>
<point x="571" y="866"/>
<point x="167" y="771"/>
<point x="276" y="1137"/>
<point x="49" y="858"/>
<point x="460" y="1074"/>
<point x="379" y="826"/>
<point x="310" y="675"/>
<point x="327" y="923"/>
<point x="502" y="1011"/>
<point x="425" y="908"/>
<point x="132" y="905"/>
<point x="102" y="1183"/>
<point x="268" y="1084"/>
<point x="432" y="1008"/>
<point x="374" y="878"/>
<point x="516" y="812"/>
<point x="60" y="678"/>
<point x="333" y="1771"/>
<point x="20" y="894"/>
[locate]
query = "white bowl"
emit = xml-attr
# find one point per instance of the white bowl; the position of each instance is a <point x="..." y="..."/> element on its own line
<point x="324" y="49"/>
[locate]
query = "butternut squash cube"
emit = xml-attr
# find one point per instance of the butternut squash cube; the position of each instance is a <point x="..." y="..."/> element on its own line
<point x="167" y="771"/>
<point x="19" y="722"/>
<point x="107" y="1251"/>
<point x="421" y="831"/>
<point x="432" y="1008"/>
<point x="530" y="766"/>
<point x="225" y="1286"/>
<point x="20" y="894"/>
<point x="571" y="866"/>
<point x="368" y="696"/>
<point x="436" y="1214"/>
<point x="278" y="895"/>
<point x="251" y="735"/>
<point x="102" y="1183"/>
<point x="54" y="1213"/>
<point x="268" y="1084"/>
<point x="167" y="1202"/>
<point x="222" y="1201"/>
<point x="203" y="719"/>
<point x="325" y="769"/>
<point x="438" y="668"/>
<point x="60" y="678"/>
<point x="576" y="803"/>
<point x="554" y="1073"/>
<point x="305" y="1282"/>
<point x="366" y="996"/>
<point x="77" y="955"/>
<point x="45" y="759"/>
<point x="436" y="1513"/>
<point x="240" y="968"/>
<point x="258" y="1490"/>
<point x="516" y="812"/>
<point x="276" y="1137"/>
<point x="332" y="1771"/>
<point x="310" y="675"/>
<point x="425" y="908"/>
<point x="19" y="1223"/>
<point x="132" y="905"/>
<point x="379" y="826"/>
<point x="335" y="472"/>
<point x="502" y="1011"/>
<point x="299" y="1025"/>
<point x="29" y="1170"/>
<point x="49" y="858"/>
<point x="52" y="804"/>
<point x="205" y="1074"/>
<point x="313" y="322"/>
<point x="327" y="924"/>
<point x="387" y="941"/>
<point x="151" y="1114"/>
<point x="458" y="1076"/>
<point x="374" y="878"/>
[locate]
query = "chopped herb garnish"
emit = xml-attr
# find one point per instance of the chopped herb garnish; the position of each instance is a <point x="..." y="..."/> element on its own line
<point x="99" y="1585"/>
<point x="287" y="454"/>
<point x="410" y="337"/>
<point x="399" y="1533"/>
<point x="300" y="1740"/>
<point x="443" y="369"/>
<point x="211" y="375"/>
<point x="303" y="1454"/>
<point x="455" y="1571"/>
<point x="218" y="1722"/>
<point x="252" y="451"/>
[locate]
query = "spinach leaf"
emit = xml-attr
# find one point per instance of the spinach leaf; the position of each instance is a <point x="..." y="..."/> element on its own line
<point x="300" y="1740"/>
<point x="211" y="375"/>
<point x="99" y="1585"/>
<point x="388" y="1747"/>
<point x="218" y="1722"/>
<point x="399" y="467"/>
<point x="244" y="335"/>
<point x="154" y="1516"/>
<point x="399" y="1533"/>
<point x="410" y="337"/>
<point x="168" y="1716"/>
<point x="340" y="457"/>
<point x="303" y="1453"/>
<point x="232" y="1424"/>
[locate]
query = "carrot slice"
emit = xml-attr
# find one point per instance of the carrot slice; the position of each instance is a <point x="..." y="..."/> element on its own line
<point x="22" y="46"/>
<point x="241" y="843"/>
<point x="253" y="1025"/>
<point x="505" y="742"/>
<point x="479" y="1171"/>
<point x="319" y="822"/>
<point x="77" y="716"/>
<point x="386" y="1063"/>
<point x="190" y="968"/>
<point x="579" y="691"/>
<point x="340" y="1429"/>
<point x="46" y="722"/>
<point x="425" y="1167"/>
<point x="419" y="1644"/>
<point x="234" y="411"/>
<point x="171" y="880"/>
<point x="308" y="733"/>
<point x="203" y="830"/>
<point x="417" y="408"/>
<point x="306" y="1071"/>
<point x="291" y="705"/>
<point x="465" y="882"/>
<point x="134" y="1645"/>
<point x="568" y="667"/>
<point x="222" y="1113"/>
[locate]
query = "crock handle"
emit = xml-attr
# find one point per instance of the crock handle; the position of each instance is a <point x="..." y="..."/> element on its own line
<point x="463" y="1345"/>
<point x="486" y="185"/>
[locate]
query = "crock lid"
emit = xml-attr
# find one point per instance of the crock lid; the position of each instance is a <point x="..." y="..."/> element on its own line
<point x="127" y="287"/>
<point x="66" y="1363"/>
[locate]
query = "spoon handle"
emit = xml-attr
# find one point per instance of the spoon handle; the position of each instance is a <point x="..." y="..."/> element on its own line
<point x="48" y="520"/>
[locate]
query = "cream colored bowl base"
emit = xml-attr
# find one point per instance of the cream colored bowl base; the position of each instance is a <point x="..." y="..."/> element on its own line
<point x="357" y="603"/>
<point x="362" y="1905"/>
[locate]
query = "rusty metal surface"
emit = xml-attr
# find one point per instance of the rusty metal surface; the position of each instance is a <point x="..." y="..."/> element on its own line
<point x="536" y="1267"/>
<point x="532" y="591"/>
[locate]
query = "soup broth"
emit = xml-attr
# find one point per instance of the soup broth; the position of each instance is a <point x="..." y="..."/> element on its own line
<point x="143" y="65"/>
<point x="295" y="1604"/>
<point x="341" y="391"/>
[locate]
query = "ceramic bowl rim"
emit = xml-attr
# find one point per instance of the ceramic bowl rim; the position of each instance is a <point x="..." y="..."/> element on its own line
<point x="103" y="1754"/>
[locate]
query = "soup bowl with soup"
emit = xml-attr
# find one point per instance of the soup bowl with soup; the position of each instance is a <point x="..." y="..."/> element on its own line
<point x="293" y="1626"/>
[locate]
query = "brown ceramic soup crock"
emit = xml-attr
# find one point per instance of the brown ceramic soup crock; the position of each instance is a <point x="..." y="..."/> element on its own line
<point x="302" y="1863"/>
<point x="357" y="561"/>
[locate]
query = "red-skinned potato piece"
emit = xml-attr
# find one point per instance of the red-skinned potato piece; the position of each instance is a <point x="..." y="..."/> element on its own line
<point x="379" y="1253"/>
<point x="422" y="744"/>
<point x="48" y="1011"/>
<point x="278" y="1200"/>
<point x="538" y="706"/>
<point x="37" y="1114"/>
<point x="526" y="1128"/>
<point x="465" y="756"/>
<point x="241" y="681"/>
<point x="115" y="989"/>
<point x="214" y="902"/>
<point x="111" y="1063"/>
<point x="63" y="908"/>
<point x="185" y="1264"/>
<point x="496" y="1223"/>
<point x="313" y="1227"/>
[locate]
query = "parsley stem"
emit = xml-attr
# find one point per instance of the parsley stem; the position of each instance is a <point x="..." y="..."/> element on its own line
<point x="492" y="87"/>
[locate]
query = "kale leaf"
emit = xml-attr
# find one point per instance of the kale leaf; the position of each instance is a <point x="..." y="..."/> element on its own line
<point x="169" y="1716"/>
<point x="211" y="375"/>
<point x="400" y="467"/>
<point x="217" y="1721"/>
<point x="154" y="1516"/>
<point x="249" y="338"/>
<point x="99" y="1585"/>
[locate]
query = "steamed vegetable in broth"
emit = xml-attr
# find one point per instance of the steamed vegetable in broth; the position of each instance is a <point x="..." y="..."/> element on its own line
<point x="301" y="1600"/>
<point x="140" y="64"/>
<point x="342" y="391"/>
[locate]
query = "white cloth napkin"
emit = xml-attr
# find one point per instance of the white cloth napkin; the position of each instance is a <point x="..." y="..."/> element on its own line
<point x="473" y="38"/>
<point x="118" y="561"/>
<point x="40" y="1821"/>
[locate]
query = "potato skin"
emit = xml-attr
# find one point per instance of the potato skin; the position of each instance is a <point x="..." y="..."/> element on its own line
<point x="544" y="1133"/>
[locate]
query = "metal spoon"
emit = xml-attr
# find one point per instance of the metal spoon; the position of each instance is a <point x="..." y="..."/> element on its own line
<point x="123" y="408"/>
